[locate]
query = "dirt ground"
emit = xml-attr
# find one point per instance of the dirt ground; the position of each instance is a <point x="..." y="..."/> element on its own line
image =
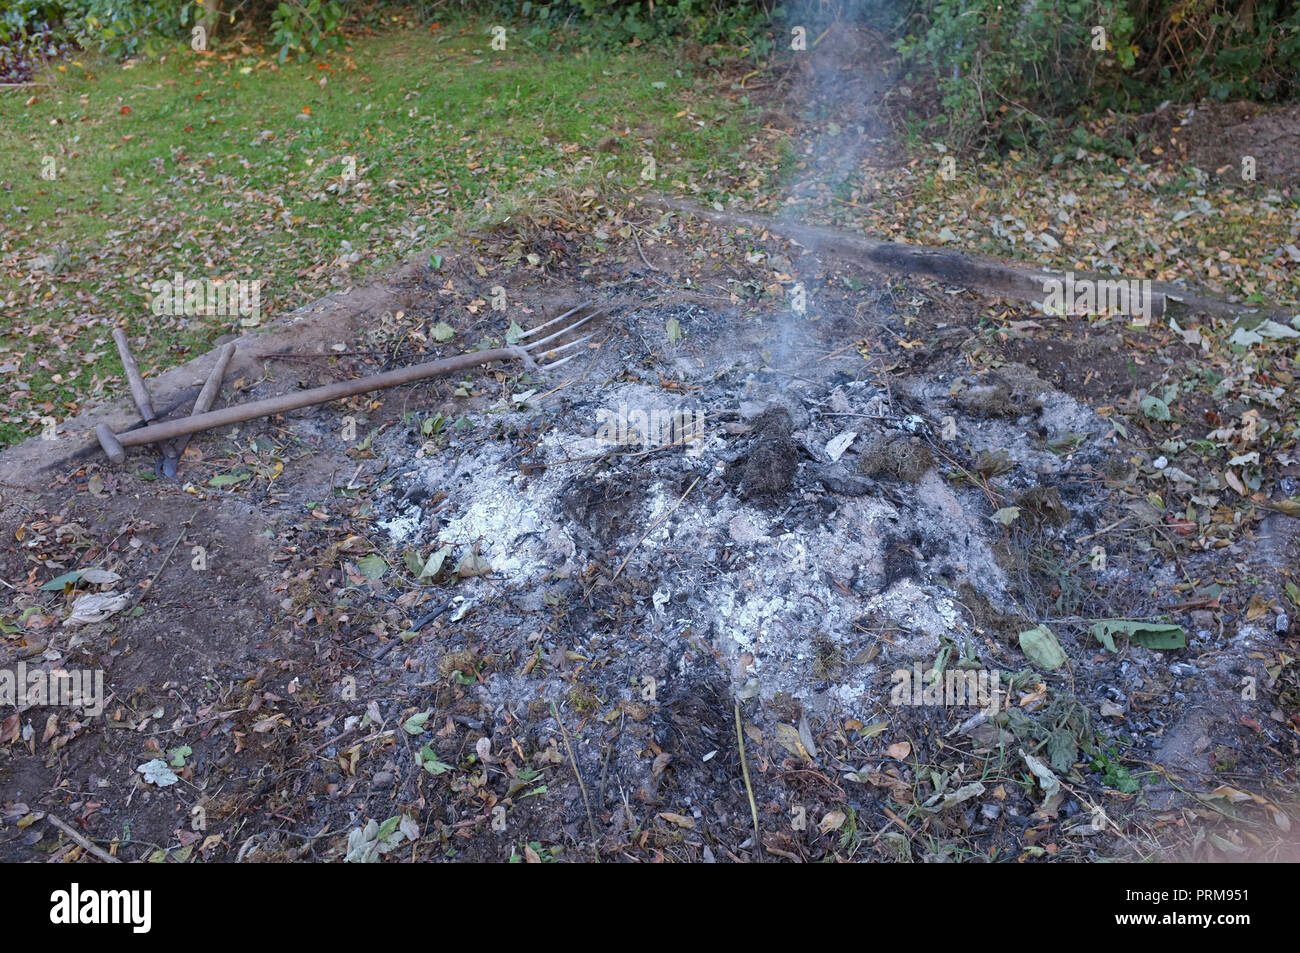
<point x="452" y="621"/>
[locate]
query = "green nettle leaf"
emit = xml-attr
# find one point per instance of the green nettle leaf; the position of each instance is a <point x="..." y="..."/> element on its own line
<point x="1041" y="647"/>
<point x="1063" y="749"/>
<point x="58" y="583"/>
<point x="435" y="262"/>
<point x="1148" y="635"/>
<point x="372" y="566"/>
<point x="415" y="724"/>
<point x="229" y="479"/>
<point x="429" y="761"/>
<point x="673" y="328"/>
<point x="178" y="755"/>
<point x="1155" y="408"/>
<point x="993" y="463"/>
<point x="442" y="331"/>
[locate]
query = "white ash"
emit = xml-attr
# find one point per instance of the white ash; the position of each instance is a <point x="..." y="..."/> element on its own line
<point x="770" y="594"/>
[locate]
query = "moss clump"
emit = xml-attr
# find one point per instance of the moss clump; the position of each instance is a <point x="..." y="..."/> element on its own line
<point x="1012" y="392"/>
<point x="1043" y="506"/>
<point x="462" y="661"/>
<point x="785" y="706"/>
<point x="828" y="660"/>
<point x="583" y="700"/>
<point x="896" y="455"/>
<point x="1116" y="468"/>
<point x="1005" y="626"/>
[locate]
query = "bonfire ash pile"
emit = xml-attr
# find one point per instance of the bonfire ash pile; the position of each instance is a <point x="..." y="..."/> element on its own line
<point x="796" y="529"/>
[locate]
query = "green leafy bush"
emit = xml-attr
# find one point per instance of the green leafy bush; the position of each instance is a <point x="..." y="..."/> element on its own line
<point x="306" y="26"/>
<point x="1010" y="73"/>
<point x="1007" y="70"/>
<point x="127" y="27"/>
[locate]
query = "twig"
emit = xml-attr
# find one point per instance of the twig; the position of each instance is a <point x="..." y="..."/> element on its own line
<point x="591" y="821"/>
<point x="629" y="454"/>
<point x="1104" y="529"/>
<point x="749" y="790"/>
<point x="841" y="350"/>
<point x="148" y="589"/>
<point x="900" y="822"/>
<point x="90" y="848"/>
<point x="642" y="254"/>
<point x="655" y="526"/>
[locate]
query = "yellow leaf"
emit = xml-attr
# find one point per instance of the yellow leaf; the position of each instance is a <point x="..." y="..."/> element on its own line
<point x="787" y="736"/>
<point x="874" y="729"/>
<point x="833" y="821"/>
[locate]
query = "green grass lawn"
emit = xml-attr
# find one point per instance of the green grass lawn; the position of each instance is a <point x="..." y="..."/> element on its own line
<point x="231" y="166"/>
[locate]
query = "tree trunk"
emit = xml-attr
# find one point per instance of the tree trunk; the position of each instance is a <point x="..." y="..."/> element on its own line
<point x="210" y="19"/>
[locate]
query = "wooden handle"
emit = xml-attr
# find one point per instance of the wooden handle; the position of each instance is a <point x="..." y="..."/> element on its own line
<point x="170" y="429"/>
<point x="206" y="396"/>
<point x="139" y="392"/>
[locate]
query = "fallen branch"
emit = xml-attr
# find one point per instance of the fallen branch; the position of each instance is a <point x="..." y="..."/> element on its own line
<point x="82" y="841"/>
<point x="956" y="267"/>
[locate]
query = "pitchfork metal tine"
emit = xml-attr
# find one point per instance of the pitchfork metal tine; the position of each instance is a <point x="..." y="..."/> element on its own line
<point x="551" y="352"/>
<point x="540" y="327"/>
<point x="572" y="327"/>
<point x="555" y="364"/>
<point x="557" y="348"/>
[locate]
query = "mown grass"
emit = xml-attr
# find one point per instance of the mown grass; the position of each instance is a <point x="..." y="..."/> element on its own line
<point x="231" y="166"/>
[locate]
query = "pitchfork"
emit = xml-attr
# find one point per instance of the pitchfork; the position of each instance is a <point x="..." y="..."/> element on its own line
<point x="534" y="354"/>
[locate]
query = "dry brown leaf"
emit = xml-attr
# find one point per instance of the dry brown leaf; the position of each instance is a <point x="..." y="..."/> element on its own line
<point x="832" y="821"/>
<point x="681" y="820"/>
<point x="900" y="750"/>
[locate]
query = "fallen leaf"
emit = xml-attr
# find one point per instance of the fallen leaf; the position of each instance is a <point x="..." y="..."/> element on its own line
<point x="1041" y="647"/>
